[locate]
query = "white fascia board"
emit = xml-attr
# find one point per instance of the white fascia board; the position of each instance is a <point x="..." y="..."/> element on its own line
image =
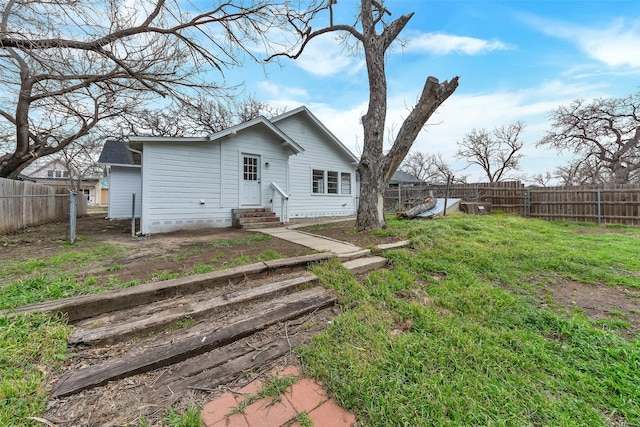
<point x="170" y="139"/>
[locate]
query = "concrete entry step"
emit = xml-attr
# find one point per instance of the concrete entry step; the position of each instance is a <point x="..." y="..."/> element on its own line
<point x="365" y="265"/>
<point x="243" y="218"/>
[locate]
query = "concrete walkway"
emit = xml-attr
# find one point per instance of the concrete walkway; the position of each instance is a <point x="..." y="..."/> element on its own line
<point x="312" y="241"/>
<point x="309" y="240"/>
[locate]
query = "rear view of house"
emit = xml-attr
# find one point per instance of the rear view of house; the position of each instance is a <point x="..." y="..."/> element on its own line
<point x="291" y="165"/>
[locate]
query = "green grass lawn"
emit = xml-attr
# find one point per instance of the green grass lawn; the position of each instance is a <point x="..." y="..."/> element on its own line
<point x="453" y="333"/>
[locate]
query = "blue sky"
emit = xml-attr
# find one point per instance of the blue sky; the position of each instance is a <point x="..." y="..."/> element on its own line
<point x="517" y="60"/>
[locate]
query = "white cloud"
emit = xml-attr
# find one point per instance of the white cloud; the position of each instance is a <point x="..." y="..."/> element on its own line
<point x="458" y="116"/>
<point x="616" y="45"/>
<point x="324" y="56"/>
<point x="443" y="44"/>
<point x="279" y="92"/>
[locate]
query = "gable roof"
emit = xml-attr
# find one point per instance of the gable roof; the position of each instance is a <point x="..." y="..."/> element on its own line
<point x="286" y="140"/>
<point x="403" y="177"/>
<point x="258" y="121"/>
<point x="305" y="111"/>
<point x="117" y="153"/>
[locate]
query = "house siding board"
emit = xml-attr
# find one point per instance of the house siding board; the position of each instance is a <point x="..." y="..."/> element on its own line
<point x="123" y="182"/>
<point x="276" y="172"/>
<point x="320" y="153"/>
<point x="175" y="203"/>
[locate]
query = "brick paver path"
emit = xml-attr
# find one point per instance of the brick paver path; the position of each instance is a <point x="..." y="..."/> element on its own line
<point x="305" y="396"/>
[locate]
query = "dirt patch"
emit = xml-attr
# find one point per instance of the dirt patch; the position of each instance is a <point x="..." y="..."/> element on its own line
<point x="599" y="302"/>
<point x="602" y="230"/>
<point x="149" y="258"/>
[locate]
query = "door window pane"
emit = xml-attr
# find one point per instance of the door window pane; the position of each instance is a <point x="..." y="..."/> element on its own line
<point x="250" y="169"/>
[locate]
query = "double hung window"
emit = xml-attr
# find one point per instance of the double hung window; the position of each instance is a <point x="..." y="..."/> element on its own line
<point x="330" y="182"/>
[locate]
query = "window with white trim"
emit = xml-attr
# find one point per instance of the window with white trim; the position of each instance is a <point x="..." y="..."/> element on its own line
<point x="332" y="182"/>
<point x="318" y="181"/>
<point x="345" y="183"/>
<point x="51" y="173"/>
<point x="336" y="182"/>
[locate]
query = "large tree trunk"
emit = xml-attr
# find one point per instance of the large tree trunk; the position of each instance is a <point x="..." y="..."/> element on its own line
<point x="11" y="164"/>
<point x="371" y="202"/>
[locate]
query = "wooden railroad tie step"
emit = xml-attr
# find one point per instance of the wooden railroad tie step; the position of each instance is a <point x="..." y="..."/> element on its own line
<point x="128" y="326"/>
<point x="86" y="306"/>
<point x="262" y="316"/>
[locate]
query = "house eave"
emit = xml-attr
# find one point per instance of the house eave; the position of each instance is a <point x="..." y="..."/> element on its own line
<point x="165" y="139"/>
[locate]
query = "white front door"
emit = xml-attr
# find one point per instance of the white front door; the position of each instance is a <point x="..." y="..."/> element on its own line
<point x="250" y="182"/>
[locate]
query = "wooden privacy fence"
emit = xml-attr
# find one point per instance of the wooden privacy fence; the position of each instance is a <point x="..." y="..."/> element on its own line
<point x="608" y="204"/>
<point x="24" y="204"/>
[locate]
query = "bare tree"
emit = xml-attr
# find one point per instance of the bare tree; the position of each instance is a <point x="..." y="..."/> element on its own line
<point x="603" y="135"/>
<point x="497" y="152"/>
<point x="581" y="171"/>
<point x="81" y="161"/>
<point x="542" y="179"/>
<point x="375" y="35"/>
<point x="428" y="167"/>
<point x="65" y="65"/>
<point x="197" y="116"/>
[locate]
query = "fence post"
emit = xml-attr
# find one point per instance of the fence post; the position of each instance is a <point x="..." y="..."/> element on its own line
<point x="133" y="214"/>
<point x="73" y="213"/>
<point x="599" y="208"/>
<point x="446" y="196"/>
<point x="527" y="203"/>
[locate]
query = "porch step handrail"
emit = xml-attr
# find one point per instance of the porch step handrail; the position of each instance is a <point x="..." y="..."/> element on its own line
<point x="284" y="197"/>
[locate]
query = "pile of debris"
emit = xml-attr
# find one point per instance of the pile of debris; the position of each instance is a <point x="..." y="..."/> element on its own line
<point x="427" y="204"/>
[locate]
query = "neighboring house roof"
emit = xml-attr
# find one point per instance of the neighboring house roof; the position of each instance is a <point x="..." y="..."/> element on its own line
<point x="23" y="177"/>
<point x="304" y="110"/>
<point x="40" y="172"/>
<point x="404" y="178"/>
<point x="117" y="153"/>
<point x="66" y="182"/>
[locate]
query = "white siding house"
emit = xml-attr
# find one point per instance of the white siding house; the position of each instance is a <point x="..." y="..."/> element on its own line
<point x="290" y="164"/>
<point x="121" y="202"/>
